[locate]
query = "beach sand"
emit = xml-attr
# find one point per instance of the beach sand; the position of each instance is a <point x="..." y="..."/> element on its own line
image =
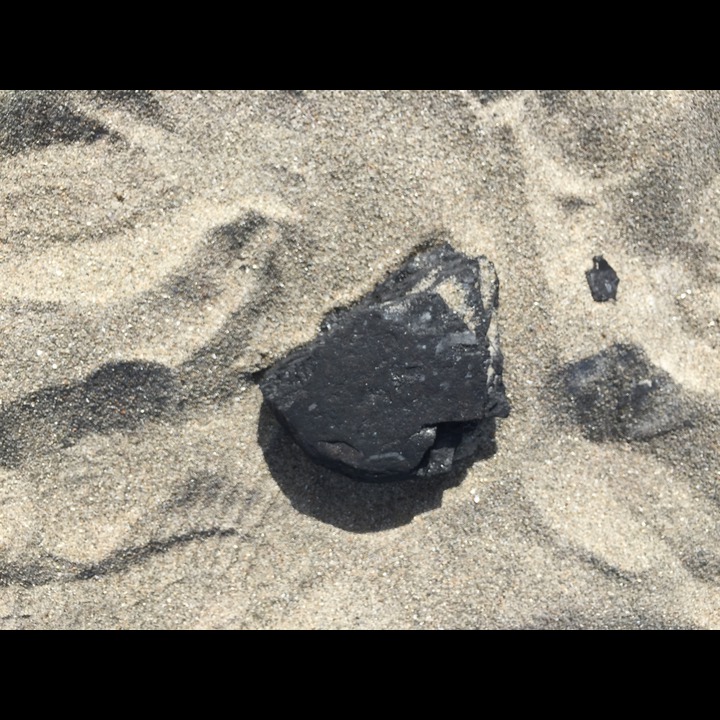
<point x="159" y="249"/>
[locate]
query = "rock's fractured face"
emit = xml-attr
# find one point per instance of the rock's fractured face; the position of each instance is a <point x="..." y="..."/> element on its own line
<point x="404" y="382"/>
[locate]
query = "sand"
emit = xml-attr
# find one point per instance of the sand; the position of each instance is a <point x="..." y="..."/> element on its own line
<point x="197" y="237"/>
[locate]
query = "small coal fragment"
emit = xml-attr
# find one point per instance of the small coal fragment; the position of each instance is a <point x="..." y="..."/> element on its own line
<point x="618" y="394"/>
<point x="407" y="381"/>
<point x="602" y="279"/>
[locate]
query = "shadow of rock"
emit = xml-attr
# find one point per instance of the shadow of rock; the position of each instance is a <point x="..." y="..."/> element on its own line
<point x="350" y="504"/>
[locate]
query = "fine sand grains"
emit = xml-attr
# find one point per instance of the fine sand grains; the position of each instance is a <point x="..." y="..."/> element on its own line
<point x="173" y="244"/>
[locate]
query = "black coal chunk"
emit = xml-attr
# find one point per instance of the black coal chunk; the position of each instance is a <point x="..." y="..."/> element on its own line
<point x="602" y="279"/>
<point x="406" y="381"/>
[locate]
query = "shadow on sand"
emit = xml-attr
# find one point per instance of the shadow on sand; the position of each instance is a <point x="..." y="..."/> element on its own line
<point x="349" y="504"/>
